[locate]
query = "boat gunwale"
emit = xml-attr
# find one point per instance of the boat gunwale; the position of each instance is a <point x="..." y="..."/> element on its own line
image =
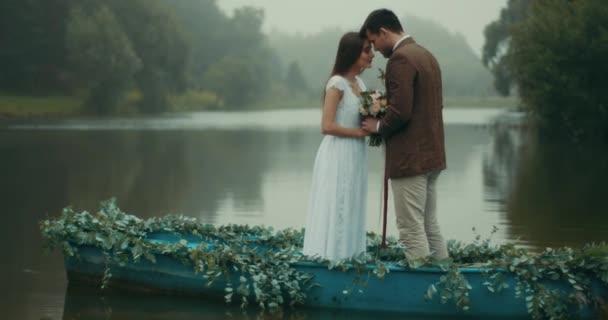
<point x="349" y="266"/>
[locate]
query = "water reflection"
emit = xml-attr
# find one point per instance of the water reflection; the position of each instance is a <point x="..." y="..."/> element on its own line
<point x="151" y="173"/>
<point x="558" y="195"/>
<point x="551" y="192"/>
<point x="86" y="303"/>
<point x="500" y="160"/>
<point x="256" y="169"/>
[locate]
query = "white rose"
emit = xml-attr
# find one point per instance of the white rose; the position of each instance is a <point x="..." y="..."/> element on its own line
<point x="363" y="111"/>
<point x="375" y="108"/>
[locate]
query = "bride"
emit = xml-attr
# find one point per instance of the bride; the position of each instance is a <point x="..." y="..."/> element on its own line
<point x="335" y="226"/>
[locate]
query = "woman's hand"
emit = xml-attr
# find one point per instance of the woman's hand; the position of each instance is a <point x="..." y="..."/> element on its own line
<point x="370" y="124"/>
<point x="362" y="133"/>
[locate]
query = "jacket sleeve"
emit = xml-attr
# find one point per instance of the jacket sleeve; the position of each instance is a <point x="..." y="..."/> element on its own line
<point x="400" y="78"/>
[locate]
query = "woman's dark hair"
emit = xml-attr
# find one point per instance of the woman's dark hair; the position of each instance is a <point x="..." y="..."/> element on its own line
<point x="381" y="18"/>
<point x="349" y="51"/>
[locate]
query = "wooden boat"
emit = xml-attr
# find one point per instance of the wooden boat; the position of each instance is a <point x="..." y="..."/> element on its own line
<point x="402" y="291"/>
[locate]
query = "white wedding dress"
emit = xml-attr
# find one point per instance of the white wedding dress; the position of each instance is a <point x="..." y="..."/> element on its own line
<point x="335" y="226"/>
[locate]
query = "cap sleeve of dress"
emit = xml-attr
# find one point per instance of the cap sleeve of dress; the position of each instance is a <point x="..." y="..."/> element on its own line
<point x="336" y="82"/>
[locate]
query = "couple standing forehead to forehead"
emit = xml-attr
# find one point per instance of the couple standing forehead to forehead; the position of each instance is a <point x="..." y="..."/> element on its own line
<point x="412" y="133"/>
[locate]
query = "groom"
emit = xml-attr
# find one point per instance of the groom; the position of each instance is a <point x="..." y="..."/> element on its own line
<point x="413" y="131"/>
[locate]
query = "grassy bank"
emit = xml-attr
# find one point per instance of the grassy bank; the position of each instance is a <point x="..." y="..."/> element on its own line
<point x="194" y="101"/>
<point x="12" y="106"/>
<point x="24" y="107"/>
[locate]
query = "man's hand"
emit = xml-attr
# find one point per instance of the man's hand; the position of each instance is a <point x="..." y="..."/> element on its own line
<point x="370" y="124"/>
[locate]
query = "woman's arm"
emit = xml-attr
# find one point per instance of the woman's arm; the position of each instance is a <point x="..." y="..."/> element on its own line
<point x="328" y="121"/>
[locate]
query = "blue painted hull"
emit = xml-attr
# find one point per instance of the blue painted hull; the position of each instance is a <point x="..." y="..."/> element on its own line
<point x="401" y="291"/>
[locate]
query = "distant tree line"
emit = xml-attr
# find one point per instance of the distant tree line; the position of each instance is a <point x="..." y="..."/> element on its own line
<point x="157" y="48"/>
<point x="109" y="51"/>
<point x="462" y="70"/>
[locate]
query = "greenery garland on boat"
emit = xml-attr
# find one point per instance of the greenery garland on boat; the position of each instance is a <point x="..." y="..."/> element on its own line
<point x="266" y="275"/>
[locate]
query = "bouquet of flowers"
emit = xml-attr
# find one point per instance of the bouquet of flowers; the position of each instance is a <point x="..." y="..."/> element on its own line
<point x="373" y="104"/>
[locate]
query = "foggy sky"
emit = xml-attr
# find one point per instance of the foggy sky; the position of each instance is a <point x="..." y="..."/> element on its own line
<point x="468" y="17"/>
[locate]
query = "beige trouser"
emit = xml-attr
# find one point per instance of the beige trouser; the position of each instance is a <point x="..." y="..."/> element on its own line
<point x="415" y="208"/>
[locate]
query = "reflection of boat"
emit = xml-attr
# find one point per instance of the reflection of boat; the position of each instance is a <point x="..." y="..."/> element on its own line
<point x="400" y="292"/>
<point x="84" y="302"/>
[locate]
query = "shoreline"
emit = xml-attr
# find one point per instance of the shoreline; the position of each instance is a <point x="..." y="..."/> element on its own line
<point x="35" y="108"/>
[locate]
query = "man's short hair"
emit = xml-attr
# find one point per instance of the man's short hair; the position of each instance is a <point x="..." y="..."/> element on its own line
<point x="381" y="18"/>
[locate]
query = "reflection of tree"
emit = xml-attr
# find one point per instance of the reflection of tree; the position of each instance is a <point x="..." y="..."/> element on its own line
<point x="153" y="173"/>
<point x="559" y="193"/>
<point x="552" y="191"/>
<point x="28" y="191"/>
<point x="145" y="170"/>
<point x="229" y="164"/>
<point x="460" y="143"/>
<point x="26" y="199"/>
<point x="295" y="150"/>
<point x="499" y="163"/>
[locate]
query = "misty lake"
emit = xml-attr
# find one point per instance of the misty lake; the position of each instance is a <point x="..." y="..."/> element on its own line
<point x="255" y="168"/>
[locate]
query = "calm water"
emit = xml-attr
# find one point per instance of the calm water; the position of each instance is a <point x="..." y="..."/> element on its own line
<point x="255" y="168"/>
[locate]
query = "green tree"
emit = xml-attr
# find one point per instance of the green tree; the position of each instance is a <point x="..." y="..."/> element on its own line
<point x="103" y="55"/>
<point x="244" y="30"/>
<point x="32" y="50"/>
<point x="216" y="37"/>
<point x="295" y="81"/>
<point x="243" y="75"/>
<point x="205" y="25"/>
<point x="233" y="79"/>
<point x="559" y="61"/>
<point x="496" y="50"/>
<point x="162" y="46"/>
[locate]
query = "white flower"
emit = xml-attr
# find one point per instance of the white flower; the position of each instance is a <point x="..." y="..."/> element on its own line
<point x="375" y="109"/>
<point x="383" y="101"/>
<point x="363" y="111"/>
